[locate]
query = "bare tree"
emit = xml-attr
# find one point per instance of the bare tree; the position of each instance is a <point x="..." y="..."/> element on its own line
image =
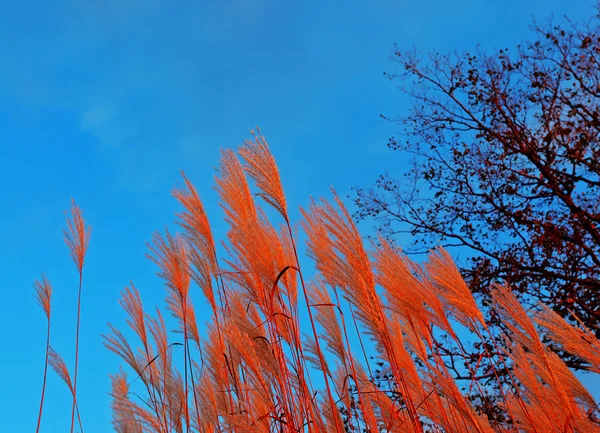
<point x="506" y="163"/>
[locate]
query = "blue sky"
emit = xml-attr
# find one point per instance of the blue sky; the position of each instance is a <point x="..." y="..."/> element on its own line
<point x="105" y="101"/>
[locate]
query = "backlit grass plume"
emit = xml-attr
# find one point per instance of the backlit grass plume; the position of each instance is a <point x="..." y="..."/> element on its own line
<point x="77" y="236"/>
<point x="43" y="294"/>
<point x="351" y="346"/>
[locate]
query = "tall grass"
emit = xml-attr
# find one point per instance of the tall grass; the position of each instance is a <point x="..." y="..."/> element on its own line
<point x="255" y="370"/>
<point x="76" y="236"/>
<point x="43" y="293"/>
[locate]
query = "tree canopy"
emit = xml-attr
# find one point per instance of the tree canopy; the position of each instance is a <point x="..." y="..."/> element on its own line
<point x="507" y="164"/>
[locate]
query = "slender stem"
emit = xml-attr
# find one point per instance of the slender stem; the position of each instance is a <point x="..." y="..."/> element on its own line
<point x="78" y="416"/>
<point x="515" y="387"/>
<point x="189" y="360"/>
<point x="185" y="369"/>
<point x="314" y="328"/>
<point x="76" y="358"/>
<point x="155" y="397"/>
<point x="45" y="374"/>
<point x="350" y="360"/>
<point x="153" y="386"/>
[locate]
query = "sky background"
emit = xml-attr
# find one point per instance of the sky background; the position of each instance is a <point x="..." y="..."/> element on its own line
<point x="105" y="101"/>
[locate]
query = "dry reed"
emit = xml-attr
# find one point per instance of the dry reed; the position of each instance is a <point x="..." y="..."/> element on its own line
<point x="254" y="371"/>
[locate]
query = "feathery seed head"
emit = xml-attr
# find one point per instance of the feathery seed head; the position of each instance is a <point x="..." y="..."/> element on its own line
<point x="77" y="236"/>
<point x="59" y="366"/>
<point x="43" y="293"/>
<point x="233" y="189"/>
<point x="260" y="165"/>
<point x="170" y="253"/>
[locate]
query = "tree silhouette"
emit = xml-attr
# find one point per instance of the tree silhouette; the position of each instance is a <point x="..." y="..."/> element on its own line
<point x="506" y="164"/>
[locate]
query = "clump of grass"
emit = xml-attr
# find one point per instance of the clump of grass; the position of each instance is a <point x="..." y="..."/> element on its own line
<point x="365" y="309"/>
<point x="76" y="236"/>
